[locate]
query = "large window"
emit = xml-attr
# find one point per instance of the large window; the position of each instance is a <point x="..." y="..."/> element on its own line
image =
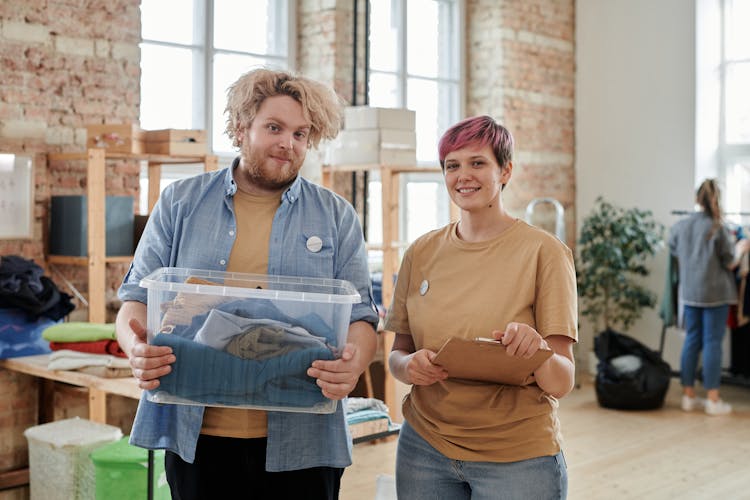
<point x="415" y="62"/>
<point x="735" y="107"/>
<point x="192" y="50"/>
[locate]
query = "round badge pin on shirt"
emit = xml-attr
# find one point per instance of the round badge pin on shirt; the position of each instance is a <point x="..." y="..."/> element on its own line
<point x="314" y="244"/>
<point x="424" y="287"/>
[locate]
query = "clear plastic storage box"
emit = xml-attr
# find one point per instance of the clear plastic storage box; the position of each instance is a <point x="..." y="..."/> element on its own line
<point x="59" y="463"/>
<point x="246" y="340"/>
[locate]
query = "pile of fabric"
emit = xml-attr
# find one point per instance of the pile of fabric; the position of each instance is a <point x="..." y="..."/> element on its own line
<point x="367" y="416"/>
<point x="87" y="347"/>
<point x="23" y="286"/>
<point x="29" y="303"/>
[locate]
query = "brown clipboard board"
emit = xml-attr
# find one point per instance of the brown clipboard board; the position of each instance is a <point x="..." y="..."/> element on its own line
<point x="486" y="360"/>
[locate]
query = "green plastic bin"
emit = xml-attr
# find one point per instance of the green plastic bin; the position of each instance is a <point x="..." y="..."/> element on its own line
<point x="121" y="472"/>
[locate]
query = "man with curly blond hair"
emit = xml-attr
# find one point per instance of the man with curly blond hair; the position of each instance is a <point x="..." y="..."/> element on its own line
<point x="257" y="216"/>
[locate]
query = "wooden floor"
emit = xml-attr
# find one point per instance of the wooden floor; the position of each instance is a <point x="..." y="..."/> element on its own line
<point x="660" y="454"/>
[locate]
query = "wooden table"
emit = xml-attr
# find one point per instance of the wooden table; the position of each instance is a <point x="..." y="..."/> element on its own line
<point x="98" y="387"/>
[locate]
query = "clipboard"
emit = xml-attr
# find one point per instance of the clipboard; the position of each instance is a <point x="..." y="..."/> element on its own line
<point x="485" y="360"/>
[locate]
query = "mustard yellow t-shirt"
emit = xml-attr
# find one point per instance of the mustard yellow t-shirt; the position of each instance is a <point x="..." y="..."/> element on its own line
<point x="254" y="216"/>
<point x="449" y="287"/>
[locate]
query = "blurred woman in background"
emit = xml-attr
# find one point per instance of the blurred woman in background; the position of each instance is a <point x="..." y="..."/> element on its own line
<point x="707" y="256"/>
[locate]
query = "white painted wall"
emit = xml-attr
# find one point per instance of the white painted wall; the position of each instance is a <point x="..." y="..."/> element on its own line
<point x="635" y="123"/>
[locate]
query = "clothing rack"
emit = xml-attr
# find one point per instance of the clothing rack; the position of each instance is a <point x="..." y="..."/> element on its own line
<point x="688" y="212"/>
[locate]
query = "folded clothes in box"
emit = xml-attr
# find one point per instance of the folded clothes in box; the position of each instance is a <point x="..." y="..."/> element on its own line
<point x="246" y="340"/>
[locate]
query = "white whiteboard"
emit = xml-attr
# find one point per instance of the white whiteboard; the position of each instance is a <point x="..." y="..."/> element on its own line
<point x="16" y="197"/>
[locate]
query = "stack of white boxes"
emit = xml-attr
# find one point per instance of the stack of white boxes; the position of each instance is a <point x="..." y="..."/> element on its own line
<point x="379" y="136"/>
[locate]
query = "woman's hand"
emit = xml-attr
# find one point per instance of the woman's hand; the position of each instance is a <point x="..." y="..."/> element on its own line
<point x="520" y="340"/>
<point x="421" y="371"/>
<point x="412" y="366"/>
<point x="556" y="375"/>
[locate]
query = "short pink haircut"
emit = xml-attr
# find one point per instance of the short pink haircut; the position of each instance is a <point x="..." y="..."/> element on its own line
<point x="480" y="131"/>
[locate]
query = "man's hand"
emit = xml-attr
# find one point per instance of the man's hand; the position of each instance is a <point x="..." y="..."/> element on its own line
<point x="338" y="377"/>
<point x="148" y="362"/>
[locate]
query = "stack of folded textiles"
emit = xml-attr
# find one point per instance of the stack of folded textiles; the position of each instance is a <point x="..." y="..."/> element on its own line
<point x="366" y="416"/>
<point x="87" y="347"/>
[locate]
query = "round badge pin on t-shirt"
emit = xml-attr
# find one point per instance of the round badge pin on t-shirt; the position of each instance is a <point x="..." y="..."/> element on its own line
<point x="314" y="244"/>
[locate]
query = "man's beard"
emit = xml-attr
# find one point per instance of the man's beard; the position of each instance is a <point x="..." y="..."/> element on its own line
<point x="273" y="178"/>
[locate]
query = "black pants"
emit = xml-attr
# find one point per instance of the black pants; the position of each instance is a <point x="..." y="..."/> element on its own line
<point x="229" y="468"/>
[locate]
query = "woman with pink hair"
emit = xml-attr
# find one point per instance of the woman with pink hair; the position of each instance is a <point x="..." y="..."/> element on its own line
<point x="487" y="275"/>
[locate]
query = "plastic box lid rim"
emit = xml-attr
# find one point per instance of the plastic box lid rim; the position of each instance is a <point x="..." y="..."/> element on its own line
<point x="345" y="292"/>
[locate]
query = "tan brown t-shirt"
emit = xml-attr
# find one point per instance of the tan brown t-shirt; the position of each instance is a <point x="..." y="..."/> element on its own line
<point x="449" y="287"/>
<point x="254" y="216"/>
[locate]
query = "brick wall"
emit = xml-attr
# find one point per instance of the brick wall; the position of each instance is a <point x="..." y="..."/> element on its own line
<point x="64" y="64"/>
<point x="521" y="71"/>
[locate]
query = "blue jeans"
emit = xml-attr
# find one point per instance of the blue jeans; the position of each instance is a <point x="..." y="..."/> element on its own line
<point x="705" y="328"/>
<point x="422" y="472"/>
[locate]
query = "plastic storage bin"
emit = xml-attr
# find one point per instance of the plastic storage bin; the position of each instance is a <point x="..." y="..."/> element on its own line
<point x="59" y="463"/>
<point x="246" y="340"/>
<point x="122" y="472"/>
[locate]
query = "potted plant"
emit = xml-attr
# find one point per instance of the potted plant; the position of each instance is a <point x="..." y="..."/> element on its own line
<point x="614" y="247"/>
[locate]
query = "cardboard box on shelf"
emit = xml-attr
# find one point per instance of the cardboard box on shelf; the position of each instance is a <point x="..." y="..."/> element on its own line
<point x="116" y="138"/>
<point x="378" y="138"/>
<point x="375" y="156"/>
<point x="366" y="117"/>
<point x="376" y="146"/>
<point x="176" y="142"/>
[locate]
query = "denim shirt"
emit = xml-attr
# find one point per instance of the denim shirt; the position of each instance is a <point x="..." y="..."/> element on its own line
<point x="193" y="226"/>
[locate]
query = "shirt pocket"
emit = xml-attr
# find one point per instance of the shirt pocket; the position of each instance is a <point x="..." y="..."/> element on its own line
<point x="318" y="254"/>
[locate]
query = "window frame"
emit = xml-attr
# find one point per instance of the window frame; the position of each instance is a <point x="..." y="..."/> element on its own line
<point x="204" y="54"/>
<point x="402" y="76"/>
<point x="729" y="153"/>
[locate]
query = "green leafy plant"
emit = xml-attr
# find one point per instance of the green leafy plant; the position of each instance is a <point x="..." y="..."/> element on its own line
<point x="614" y="247"/>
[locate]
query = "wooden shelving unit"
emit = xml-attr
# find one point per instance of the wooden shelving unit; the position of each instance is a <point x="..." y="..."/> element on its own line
<point x="96" y="258"/>
<point x="390" y="182"/>
<point x="390" y="186"/>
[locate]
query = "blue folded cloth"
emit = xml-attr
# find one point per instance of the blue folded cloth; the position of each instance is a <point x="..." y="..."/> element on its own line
<point x="208" y="376"/>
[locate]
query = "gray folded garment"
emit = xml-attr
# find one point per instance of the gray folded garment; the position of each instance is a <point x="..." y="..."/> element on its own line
<point x="251" y="338"/>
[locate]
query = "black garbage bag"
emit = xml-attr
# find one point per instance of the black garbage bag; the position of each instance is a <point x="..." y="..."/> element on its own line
<point x="629" y="375"/>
